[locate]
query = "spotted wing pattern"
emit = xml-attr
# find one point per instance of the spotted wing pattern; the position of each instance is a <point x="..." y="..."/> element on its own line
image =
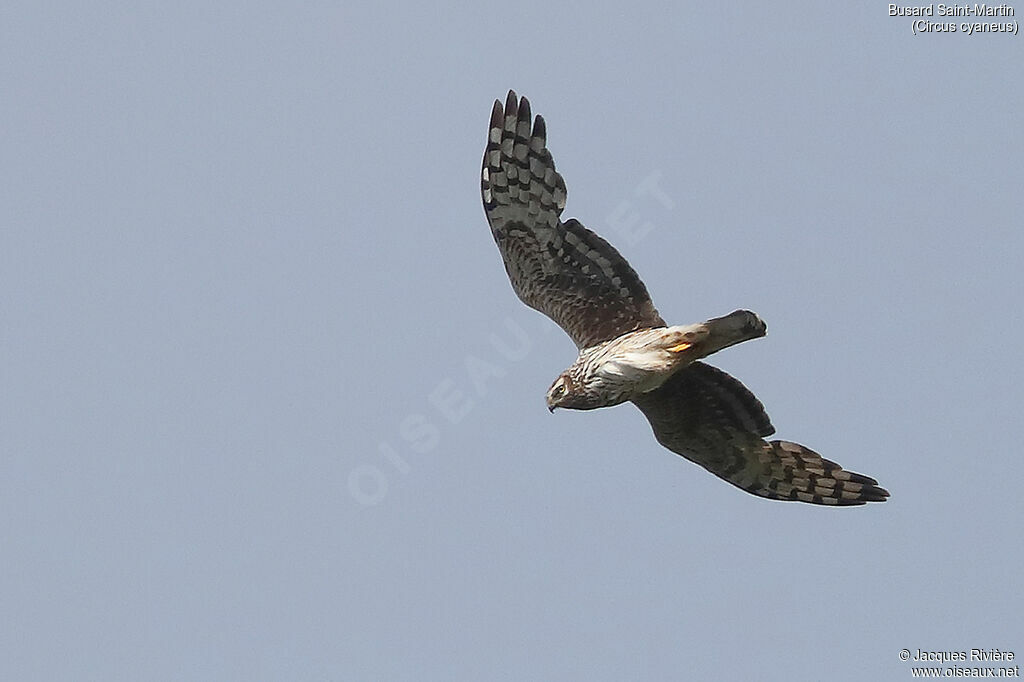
<point x="560" y="268"/>
<point x="710" y="418"/>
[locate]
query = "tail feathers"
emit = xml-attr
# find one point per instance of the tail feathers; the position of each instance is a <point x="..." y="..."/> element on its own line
<point x="705" y="338"/>
<point x="736" y="327"/>
<point x="789" y="471"/>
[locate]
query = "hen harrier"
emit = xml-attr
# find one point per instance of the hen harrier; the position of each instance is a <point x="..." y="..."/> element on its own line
<point x="626" y="351"/>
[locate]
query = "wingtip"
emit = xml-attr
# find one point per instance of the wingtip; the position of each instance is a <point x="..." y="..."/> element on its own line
<point x="524" y="114"/>
<point x="518" y="108"/>
<point x="869" y="491"/>
<point x="511" y="104"/>
<point x="497" y="114"/>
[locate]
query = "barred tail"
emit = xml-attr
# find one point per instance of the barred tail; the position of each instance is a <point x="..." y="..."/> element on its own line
<point x="736" y="327"/>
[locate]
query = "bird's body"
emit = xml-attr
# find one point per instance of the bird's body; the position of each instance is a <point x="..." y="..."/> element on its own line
<point x="641" y="361"/>
<point x="626" y="350"/>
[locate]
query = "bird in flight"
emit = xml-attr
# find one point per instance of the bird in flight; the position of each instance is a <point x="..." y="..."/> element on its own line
<point x="626" y="350"/>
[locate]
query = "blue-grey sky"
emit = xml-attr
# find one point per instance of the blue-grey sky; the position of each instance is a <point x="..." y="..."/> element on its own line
<point x="271" y="410"/>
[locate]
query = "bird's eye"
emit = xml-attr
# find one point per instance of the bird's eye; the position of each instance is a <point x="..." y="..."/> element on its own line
<point x="559" y="391"/>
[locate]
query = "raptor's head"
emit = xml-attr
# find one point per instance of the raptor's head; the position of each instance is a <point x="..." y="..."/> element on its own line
<point x="559" y="392"/>
<point x="568" y="392"/>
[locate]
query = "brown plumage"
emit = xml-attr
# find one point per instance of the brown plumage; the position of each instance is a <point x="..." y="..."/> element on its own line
<point x="626" y="351"/>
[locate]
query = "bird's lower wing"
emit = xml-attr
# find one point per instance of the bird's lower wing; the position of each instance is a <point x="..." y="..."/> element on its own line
<point x="712" y="419"/>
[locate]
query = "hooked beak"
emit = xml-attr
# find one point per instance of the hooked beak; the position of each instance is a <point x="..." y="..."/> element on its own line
<point x="551" y="408"/>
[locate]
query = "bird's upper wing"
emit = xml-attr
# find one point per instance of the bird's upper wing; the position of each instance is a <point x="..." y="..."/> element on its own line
<point x="561" y="269"/>
<point x="710" y="418"/>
